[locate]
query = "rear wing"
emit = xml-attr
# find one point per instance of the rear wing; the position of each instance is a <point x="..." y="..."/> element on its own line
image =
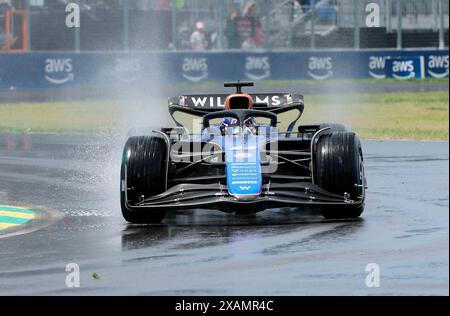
<point x="216" y="102"/>
<point x="203" y="104"/>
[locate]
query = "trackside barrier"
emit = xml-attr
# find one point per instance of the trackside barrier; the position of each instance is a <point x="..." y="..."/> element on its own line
<point x="50" y="70"/>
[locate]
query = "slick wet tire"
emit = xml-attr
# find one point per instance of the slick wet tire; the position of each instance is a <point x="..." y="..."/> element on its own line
<point x="339" y="169"/>
<point x="144" y="167"/>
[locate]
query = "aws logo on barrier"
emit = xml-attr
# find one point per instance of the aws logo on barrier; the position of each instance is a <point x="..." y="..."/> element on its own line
<point x="438" y="66"/>
<point x="128" y="70"/>
<point x="403" y="69"/>
<point x="195" y="69"/>
<point x="257" y="68"/>
<point x="377" y="66"/>
<point x="406" y="68"/>
<point x="320" y="68"/>
<point x="59" y="70"/>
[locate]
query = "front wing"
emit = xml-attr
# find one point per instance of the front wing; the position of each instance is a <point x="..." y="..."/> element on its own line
<point x="216" y="196"/>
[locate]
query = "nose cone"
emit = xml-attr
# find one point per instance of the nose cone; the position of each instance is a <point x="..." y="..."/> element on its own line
<point x="243" y="166"/>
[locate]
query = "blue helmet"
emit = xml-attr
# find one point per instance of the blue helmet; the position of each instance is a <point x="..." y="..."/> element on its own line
<point x="229" y="121"/>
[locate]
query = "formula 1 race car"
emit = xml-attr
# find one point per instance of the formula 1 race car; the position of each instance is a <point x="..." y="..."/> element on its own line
<point x="239" y="161"/>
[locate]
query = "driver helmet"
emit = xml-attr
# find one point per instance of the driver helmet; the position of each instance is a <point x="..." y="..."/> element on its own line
<point x="229" y="122"/>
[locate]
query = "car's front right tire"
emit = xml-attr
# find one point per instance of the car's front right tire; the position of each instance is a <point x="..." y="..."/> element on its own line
<point x="144" y="167"/>
<point x="339" y="168"/>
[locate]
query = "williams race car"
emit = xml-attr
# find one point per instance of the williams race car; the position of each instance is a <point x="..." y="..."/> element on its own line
<point x="239" y="161"/>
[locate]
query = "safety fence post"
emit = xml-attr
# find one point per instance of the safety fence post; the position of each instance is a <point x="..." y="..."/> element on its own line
<point x="399" y="24"/>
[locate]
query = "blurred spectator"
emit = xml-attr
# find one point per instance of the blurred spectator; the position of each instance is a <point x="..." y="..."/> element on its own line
<point x="249" y="28"/>
<point x="246" y="23"/>
<point x="184" y="38"/>
<point x="326" y="11"/>
<point x="297" y="8"/>
<point x="198" y="41"/>
<point x="162" y="4"/>
<point x="230" y="31"/>
<point x="256" y="41"/>
<point x="218" y="42"/>
<point x="307" y="5"/>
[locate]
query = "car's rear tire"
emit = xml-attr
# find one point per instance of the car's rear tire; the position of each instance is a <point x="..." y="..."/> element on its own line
<point x="339" y="169"/>
<point x="333" y="127"/>
<point x="146" y="170"/>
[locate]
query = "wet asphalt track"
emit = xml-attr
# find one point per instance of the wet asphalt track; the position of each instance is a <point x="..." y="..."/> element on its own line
<point x="279" y="252"/>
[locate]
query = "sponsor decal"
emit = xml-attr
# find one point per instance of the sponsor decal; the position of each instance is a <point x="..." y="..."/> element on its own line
<point x="241" y="148"/>
<point x="218" y="101"/>
<point x="320" y="68"/>
<point x="274" y="100"/>
<point x="59" y="70"/>
<point x="257" y="68"/>
<point x="195" y="69"/>
<point x="242" y="155"/>
<point x="127" y="70"/>
<point x="377" y="66"/>
<point x="244" y="182"/>
<point x="406" y="68"/>
<point x="438" y="66"/>
<point x="208" y="101"/>
<point x="243" y="168"/>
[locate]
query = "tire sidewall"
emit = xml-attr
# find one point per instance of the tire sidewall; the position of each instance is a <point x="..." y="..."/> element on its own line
<point x="140" y="155"/>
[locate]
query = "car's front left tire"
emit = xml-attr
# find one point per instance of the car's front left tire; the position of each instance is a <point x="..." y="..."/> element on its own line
<point x="144" y="167"/>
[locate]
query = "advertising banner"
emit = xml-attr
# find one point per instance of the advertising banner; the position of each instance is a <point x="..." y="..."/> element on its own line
<point x="53" y="70"/>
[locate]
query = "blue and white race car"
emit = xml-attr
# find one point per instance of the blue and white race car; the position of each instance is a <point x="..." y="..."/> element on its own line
<point x="239" y="161"/>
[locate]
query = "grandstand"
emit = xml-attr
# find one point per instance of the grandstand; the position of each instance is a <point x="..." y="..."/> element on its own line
<point x="150" y="25"/>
